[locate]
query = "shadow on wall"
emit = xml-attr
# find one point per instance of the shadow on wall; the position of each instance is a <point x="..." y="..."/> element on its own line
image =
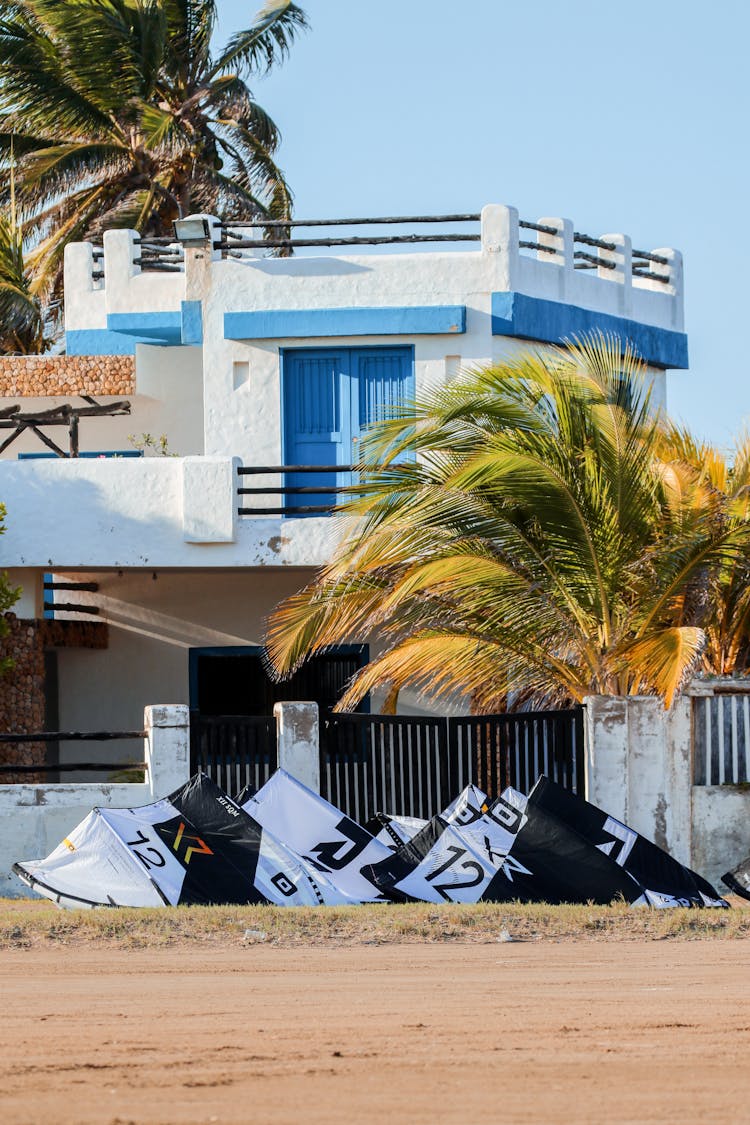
<point x="75" y="522"/>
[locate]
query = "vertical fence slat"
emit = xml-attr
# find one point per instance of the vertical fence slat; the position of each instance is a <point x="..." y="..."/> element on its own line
<point x="234" y="750"/>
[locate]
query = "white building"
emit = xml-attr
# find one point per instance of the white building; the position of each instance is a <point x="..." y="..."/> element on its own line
<point x="245" y="360"/>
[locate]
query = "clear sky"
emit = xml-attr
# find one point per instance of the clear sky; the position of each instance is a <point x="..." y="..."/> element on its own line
<point x="623" y="115"/>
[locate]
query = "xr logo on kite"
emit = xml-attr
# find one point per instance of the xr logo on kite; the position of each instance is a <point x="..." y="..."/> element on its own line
<point x="200" y="847"/>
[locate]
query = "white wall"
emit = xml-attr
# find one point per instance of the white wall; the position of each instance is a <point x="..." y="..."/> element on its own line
<point x="153" y="623"/>
<point x="168" y="400"/>
<point x="144" y="512"/>
<point x="242" y="416"/>
<point x="639" y="768"/>
<point x="34" y="819"/>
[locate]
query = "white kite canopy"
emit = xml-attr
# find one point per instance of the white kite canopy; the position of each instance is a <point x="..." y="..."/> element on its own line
<point x="196" y="846"/>
<point x="91" y="867"/>
<point x="393" y="831"/>
<point x="319" y="832"/>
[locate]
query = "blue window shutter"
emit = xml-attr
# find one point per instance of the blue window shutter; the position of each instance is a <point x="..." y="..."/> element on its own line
<point x="329" y="397"/>
<point x="317" y="420"/>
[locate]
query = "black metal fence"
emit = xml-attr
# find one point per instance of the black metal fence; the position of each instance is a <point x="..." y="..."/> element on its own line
<point x="234" y="750"/>
<point x="394" y="763"/>
<point x="517" y="749"/>
<point x="721" y="738"/>
<point x="414" y="766"/>
<point x="51" y="767"/>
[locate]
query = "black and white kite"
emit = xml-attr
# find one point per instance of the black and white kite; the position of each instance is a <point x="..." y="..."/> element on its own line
<point x="665" y="881"/>
<point x="196" y="846"/>
<point x="318" y="832"/>
<point x="489" y="826"/>
<point x="393" y="831"/>
<point x="738" y="880"/>
<point x="513" y="853"/>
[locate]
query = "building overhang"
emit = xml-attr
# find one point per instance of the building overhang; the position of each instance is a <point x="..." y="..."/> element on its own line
<point x="125" y="330"/>
<point x="552" y="322"/>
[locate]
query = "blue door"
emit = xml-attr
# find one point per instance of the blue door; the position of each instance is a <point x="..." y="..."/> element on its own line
<point x="329" y="397"/>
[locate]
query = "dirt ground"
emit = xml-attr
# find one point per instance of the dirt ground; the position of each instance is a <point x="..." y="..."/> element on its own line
<point x="543" y="1031"/>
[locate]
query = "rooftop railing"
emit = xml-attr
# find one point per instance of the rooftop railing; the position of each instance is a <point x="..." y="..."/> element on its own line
<point x="550" y="241"/>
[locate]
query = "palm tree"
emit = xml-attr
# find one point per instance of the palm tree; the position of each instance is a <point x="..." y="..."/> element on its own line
<point x="122" y="115"/>
<point x="21" y="319"/>
<point x="537" y="548"/>
<point x="721" y="601"/>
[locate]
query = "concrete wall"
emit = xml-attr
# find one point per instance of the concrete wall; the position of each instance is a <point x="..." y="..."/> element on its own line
<point x="35" y="818"/>
<point x="639" y="768"/>
<point x="161" y="511"/>
<point x="155" y="618"/>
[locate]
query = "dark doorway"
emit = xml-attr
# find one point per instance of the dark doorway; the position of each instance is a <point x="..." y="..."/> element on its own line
<point x="234" y="681"/>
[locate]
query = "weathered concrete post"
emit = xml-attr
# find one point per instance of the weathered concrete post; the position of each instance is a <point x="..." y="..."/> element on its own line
<point x="167" y="747"/>
<point x="638" y="766"/>
<point x="298" y="733"/>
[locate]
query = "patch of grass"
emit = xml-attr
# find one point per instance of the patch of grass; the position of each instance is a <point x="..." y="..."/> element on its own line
<point x="26" y="924"/>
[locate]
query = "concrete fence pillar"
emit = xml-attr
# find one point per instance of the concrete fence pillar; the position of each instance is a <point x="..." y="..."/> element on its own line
<point x="619" y="269"/>
<point x="209" y="499"/>
<point x="500" y="243"/>
<point x="674" y="270"/>
<point x="298" y="735"/>
<point x="167" y="747"/>
<point x="557" y="250"/>
<point x="639" y="766"/>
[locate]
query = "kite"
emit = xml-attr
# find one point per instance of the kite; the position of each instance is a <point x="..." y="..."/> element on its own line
<point x="195" y="846"/>
<point x="393" y="831"/>
<point x="511" y="855"/>
<point x="665" y="881"/>
<point x="287" y="846"/>
<point x="318" y="832"/>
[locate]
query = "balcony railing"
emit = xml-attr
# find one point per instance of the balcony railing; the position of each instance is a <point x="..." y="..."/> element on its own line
<point x="318" y="498"/>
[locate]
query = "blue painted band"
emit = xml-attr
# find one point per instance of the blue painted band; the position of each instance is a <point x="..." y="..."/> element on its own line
<point x="100" y="341"/>
<point x="191" y="322"/>
<point x="125" y="330"/>
<point x="552" y="322"/>
<point x="275" y="324"/>
<point x="158" y="327"/>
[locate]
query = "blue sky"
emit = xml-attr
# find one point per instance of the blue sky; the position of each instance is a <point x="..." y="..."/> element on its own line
<point x="622" y="116"/>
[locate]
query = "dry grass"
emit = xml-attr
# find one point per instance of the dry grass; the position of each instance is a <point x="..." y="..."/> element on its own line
<point x="29" y="924"/>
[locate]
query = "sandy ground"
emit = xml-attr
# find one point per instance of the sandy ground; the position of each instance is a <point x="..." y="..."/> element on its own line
<point x="501" y="1033"/>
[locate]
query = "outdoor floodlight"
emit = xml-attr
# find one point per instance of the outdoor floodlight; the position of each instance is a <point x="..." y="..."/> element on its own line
<point x="193" y="231"/>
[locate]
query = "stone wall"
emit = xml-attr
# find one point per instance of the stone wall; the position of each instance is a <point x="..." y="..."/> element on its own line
<point x="40" y="375"/>
<point x="22" y="688"/>
<point x="22" y="696"/>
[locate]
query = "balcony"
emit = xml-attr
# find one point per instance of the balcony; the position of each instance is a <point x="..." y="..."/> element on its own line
<point x="75" y="513"/>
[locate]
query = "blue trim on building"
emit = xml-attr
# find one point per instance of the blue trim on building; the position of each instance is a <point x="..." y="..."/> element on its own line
<point x="91" y="454"/>
<point x="275" y="324"/>
<point x="192" y="322"/>
<point x="100" y="341"/>
<point x="125" y="330"/>
<point x="156" y="327"/>
<point x="552" y="322"/>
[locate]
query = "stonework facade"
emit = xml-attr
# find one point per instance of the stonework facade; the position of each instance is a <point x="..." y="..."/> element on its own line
<point x="22" y="688"/>
<point x="41" y="375"/>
